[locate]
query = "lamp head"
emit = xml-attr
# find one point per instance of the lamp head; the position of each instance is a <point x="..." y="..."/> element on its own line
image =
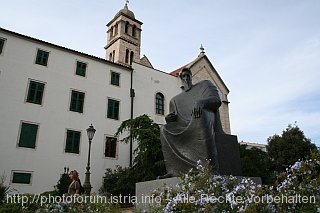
<point x="90" y="132"/>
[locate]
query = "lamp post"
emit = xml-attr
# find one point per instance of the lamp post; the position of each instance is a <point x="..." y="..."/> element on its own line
<point x="87" y="186"/>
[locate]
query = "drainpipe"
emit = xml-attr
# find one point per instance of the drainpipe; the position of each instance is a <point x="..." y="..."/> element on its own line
<point x="132" y="95"/>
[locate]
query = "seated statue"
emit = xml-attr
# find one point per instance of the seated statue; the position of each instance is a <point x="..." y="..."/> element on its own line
<point x="193" y="120"/>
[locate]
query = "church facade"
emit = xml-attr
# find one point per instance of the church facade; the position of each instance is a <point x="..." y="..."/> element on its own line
<point x="51" y="94"/>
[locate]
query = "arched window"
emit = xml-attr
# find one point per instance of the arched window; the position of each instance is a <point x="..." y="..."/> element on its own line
<point x="159" y="103"/>
<point x="127" y="56"/>
<point x="131" y="57"/>
<point x="116" y="29"/>
<point x="111" y="32"/>
<point x="134" y="28"/>
<point x="126" y="27"/>
<point x="110" y="57"/>
<point x="113" y="54"/>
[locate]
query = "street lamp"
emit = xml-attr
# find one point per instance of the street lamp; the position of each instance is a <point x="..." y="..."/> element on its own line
<point x="87" y="186"/>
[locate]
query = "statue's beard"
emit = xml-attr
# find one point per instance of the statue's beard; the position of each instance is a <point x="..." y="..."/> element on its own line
<point x="188" y="85"/>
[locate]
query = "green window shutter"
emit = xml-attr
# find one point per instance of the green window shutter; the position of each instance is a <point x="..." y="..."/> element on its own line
<point x="113" y="109"/>
<point x="73" y="141"/>
<point x="1" y="45"/>
<point x="42" y="57"/>
<point x="81" y="69"/>
<point x="115" y="78"/>
<point x="35" y="92"/>
<point x="28" y="135"/>
<point x="20" y="177"/>
<point x="110" y="106"/>
<point x="77" y="100"/>
<point x="116" y="110"/>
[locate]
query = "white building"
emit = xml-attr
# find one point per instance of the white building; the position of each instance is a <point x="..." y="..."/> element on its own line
<point x="51" y="94"/>
<point x="262" y="147"/>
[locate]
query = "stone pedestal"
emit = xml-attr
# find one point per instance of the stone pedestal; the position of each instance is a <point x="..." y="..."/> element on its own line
<point x="145" y="189"/>
<point x="228" y="154"/>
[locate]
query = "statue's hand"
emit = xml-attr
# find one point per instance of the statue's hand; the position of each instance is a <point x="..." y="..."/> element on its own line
<point x="196" y="112"/>
<point x="172" y="117"/>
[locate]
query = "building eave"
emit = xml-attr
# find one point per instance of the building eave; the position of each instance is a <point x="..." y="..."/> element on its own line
<point x="64" y="48"/>
<point x="125" y="15"/>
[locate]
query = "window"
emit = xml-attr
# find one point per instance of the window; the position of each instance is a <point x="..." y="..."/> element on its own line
<point x="126" y="27"/>
<point x="77" y="100"/>
<point x="159" y="104"/>
<point x="116" y="29"/>
<point x="81" y="68"/>
<point x="131" y="57"/>
<point x="127" y="56"/>
<point x="1" y="45"/>
<point x="111" y="32"/>
<point x="110" y="147"/>
<point x="42" y="57"/>
<point x="73" y="141"/>
<point x="28" y="135"/>
<point x="134" y="30"/>
<point x="113" y="109"/>
<point x="35" y="92"/>
<point x="21" y="177"/>
<point x="115" y="78"/>
<point x="110" y="57"/>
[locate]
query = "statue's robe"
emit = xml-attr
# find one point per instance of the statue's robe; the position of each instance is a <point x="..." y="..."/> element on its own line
<point x="190" y="139"/>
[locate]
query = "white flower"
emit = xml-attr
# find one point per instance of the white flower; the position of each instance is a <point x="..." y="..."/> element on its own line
<point x="296" y="166"/>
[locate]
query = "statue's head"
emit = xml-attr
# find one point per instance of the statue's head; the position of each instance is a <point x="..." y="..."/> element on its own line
<point x="186" y="77"/>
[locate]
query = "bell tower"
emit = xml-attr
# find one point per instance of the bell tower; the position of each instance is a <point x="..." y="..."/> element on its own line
<point x="124" y="38"/>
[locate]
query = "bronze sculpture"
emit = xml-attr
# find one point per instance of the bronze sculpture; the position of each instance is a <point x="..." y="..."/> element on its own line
<point x="192" y="124"/>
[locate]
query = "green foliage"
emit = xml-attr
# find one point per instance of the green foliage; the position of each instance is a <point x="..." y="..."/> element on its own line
<point x="148" y="159"/>
<point x="297" y="190"/>
<point x="301" y="179"/>
<point x="76" y="205"/>
<point x="255" y="163"/>
<point x="200" y="190"/>
<point x="63" y="184"/>
<point x="119" y="181"/>
<point x="10" y="208"/>
<point x="148" y="163"/>
<point x="289" y="147"/>
<point x="4" y="190"/>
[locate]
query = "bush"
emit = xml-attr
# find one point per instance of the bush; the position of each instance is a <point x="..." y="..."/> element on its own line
<point x="4" y="190"/>
<point x="72" y="206"/>
<point x="200" y="191"/>
<point x="63" y="184"/>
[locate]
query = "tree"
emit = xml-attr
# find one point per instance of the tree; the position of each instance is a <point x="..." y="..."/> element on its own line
<point x="284" y="150"/>
<point x="148" y="154"/>
<point x="148" y="163"/>
<point x="255" y="163"/>
<point x="63" y="184"/>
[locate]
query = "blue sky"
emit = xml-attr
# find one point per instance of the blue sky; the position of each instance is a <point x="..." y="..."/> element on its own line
<point x="266" y="51"/>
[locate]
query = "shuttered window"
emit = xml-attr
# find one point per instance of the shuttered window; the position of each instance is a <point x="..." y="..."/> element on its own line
<point x="35" y="92"/>
<point x="28" y="135"/>
<point x="110" y="147"/>
<point x="81" y="68"/>
<point x="42" y="57"/>
<point x="77" y="100"/>
<point x="113" y="109"/>
<point x="1" y="45"/>
<point x="115" y="78"/>
<point x="21" y="177"/>
<point x="73" y="141"/>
